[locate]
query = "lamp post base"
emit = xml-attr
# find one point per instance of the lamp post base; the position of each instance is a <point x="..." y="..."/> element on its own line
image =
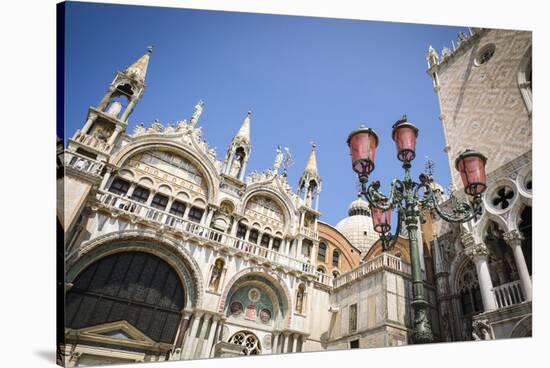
<point x="422" y="331"/>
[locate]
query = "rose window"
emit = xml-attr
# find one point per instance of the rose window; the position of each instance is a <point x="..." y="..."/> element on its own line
<point x="249" y="342"/>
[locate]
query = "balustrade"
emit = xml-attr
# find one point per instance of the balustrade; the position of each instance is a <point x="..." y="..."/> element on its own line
<point x="177" y="223"/>
<point x="384" y="260"/>
<point x="82" y="163"/>
<point x="93" y="142"/>
<point x="508" y="294"/>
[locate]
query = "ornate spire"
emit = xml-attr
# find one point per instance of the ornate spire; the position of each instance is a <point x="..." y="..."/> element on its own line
<point x="138" y="69"/>
<point x="311" y="166"/>
<point x="244" y="132"/>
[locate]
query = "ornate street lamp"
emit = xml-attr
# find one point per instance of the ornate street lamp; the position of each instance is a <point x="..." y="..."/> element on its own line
<point x="410" y="198"/>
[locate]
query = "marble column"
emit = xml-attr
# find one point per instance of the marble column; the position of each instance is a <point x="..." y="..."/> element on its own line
<point x="184" y="324"/>
<point x="298" y="254"/>
<point x="186" y="211"/>
<point x="275" y="348"/>
<point x="207" y="349"/>
<point x="88" y="124"/>
<point x="478" y="254"/>
<point x="105" y="181"/>
<point x="295" y="342"/>
<point x="234" y="227"/>
<point x="129" y="109"/>
<point x="514" y="239"/>
<point x="198" y="345"/>
<point x="243" y="169"/>
<point x="114" y="136"/>
<point x="106" y="98"/>
<point x="131" y="189"/>
<point x="189" y="341"/>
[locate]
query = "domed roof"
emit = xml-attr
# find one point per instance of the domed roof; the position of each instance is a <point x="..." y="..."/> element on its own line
<point x="359" y="207"/>
<point x="357" y="227"/>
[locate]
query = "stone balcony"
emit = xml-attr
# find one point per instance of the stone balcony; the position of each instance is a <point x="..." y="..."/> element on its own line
<point x="508" y="294"/>
<point x="384" y="261"/>
<point x="204" y="235"/>
<point x="310" y="233"/>
<point x="82" y="164"/>
<point x="92" y="142"/>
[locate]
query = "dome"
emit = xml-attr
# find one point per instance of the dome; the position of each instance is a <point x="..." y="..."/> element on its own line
<point x="357" y="227"/>
<point x="359" y="207"/>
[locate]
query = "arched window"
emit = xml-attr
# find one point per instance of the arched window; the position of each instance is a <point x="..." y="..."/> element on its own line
<point x="159" y="201"/>
<point x="322" y="255"/>
<point x="335" y="274"/>
<point x="265" y="240"/>
<point x="119" y="186"/>
<point x="140" y="194"/>
<point x="470" y="294"/>
<point x="335" y="258"/>
<point x="321" y="270"/>
<point x="137" y="287"/>
<point x="249" y="342"/>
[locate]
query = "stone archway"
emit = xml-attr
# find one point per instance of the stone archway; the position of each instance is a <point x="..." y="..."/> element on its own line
<point x="275" y="288"/>
<point x="142" y="241"/>
<point x="136" y="287"/>
<point x="524" y="328"/>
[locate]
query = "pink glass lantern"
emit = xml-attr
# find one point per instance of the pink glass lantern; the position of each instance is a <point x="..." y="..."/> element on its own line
<point x="381" y="219"/>
<point x="471" y="166"/>
<point x="362" y="144"/>
<point x="404" y="135"/>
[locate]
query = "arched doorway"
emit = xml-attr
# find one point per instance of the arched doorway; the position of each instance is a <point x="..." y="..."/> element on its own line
<point x="249" y="342"/>
<point x="136" y="287"/>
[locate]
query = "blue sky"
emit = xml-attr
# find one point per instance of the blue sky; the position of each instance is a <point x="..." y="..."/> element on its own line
<point x="304" y="79"/>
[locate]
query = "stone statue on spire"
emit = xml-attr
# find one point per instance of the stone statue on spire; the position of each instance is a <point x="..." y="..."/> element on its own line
<point x="197" y="113"/>
<point x="278" y="159"/>
<point x="432" y="57"/>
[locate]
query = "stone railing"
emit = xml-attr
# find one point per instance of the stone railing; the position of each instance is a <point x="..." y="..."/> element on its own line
<point x="382" y="261"/>
<point x="508" y="294"/>
<point x="93" y="142"/>
<point x="82" y="163"/>
<point x="309" y="233"/>
<point x="325" y="279"/>
<point x="193" y="229"/>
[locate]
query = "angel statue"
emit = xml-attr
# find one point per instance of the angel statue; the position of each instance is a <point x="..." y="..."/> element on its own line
<point x="278" y="159"/>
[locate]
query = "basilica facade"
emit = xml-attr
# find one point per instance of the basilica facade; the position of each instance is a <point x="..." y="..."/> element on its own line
<point x="171" y="253"/>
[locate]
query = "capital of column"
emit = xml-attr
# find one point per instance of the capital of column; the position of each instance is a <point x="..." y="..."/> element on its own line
<point x="476" y="250"/>
<point x="513" y="237"/>
<point x="186" y="313"/>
